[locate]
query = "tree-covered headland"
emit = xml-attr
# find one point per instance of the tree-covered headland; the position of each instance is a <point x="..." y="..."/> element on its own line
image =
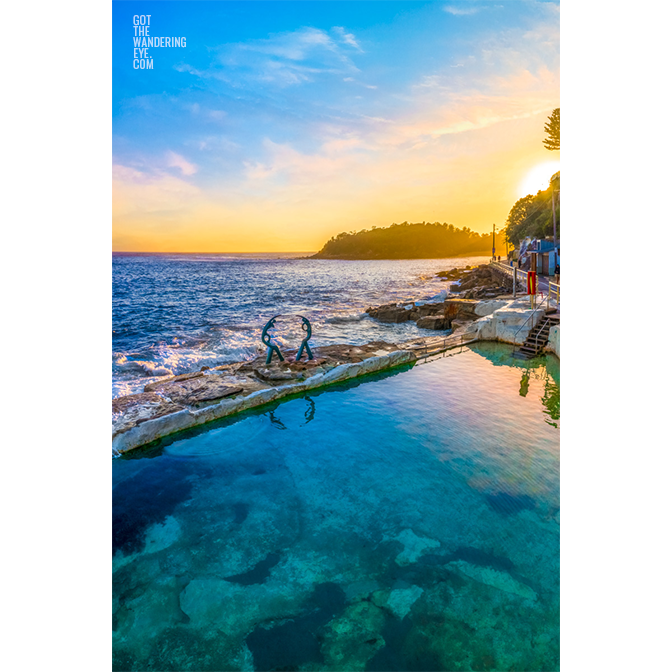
<point x="411" y="241"/>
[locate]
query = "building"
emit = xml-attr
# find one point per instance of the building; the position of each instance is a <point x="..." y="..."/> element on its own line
<point x="542" y="257"/>
<point x="539" y="255"/>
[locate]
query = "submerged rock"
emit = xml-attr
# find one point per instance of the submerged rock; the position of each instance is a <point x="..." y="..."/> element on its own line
<point x="414" y="546"/>
<point x="399" y="601"/>
<point x="236" y="609"/>
<point x="493" y="577"/>
<point x="353" y="638"/>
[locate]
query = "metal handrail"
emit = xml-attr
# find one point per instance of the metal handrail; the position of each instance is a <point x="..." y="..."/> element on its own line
<point x="545" y="319"/>
<point x="532" y="314"/>
<point x="521" y="276"/>
<point x="449" y="341"/>
<point x="554" y="290"/>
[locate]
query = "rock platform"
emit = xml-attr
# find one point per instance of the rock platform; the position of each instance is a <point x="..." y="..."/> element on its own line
<point x="188" y="400"/>
<point x="177" y="403"/>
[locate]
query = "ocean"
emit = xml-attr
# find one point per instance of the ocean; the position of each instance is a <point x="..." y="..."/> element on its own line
<point x="176" y="313"/>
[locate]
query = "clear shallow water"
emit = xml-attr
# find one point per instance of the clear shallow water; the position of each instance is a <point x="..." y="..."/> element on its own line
<point x="174" y="314"/>
<point x="410" y="522"/>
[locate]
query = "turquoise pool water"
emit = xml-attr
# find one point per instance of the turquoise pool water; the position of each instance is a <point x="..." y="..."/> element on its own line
<point x="409" y="522"/>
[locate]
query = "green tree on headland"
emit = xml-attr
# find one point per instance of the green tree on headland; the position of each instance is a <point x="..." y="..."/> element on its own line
<point x="552" y="129"/>
<point x="533" y="215"/>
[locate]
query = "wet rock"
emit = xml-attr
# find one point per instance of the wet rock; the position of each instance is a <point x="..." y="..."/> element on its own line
<point x="454" y="273"/>
<point x="392" y="315"/>
<point x="429" y="309"/>
<point x="275" y="374"/>
<point x="432" y="322"/>
<point x="459" y="310"/>
<point x="482" y="282"/>
<point x="131" y="410"/>
<point x="212" y="391"/>
<point x="199" y="389"/>
<point x="175" y="379"/>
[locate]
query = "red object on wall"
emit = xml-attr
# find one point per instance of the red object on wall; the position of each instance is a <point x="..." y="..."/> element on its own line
<point x="531" y="282"/>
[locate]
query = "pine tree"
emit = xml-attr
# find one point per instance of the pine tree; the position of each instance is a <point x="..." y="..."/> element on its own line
<point x="552" y="129"/>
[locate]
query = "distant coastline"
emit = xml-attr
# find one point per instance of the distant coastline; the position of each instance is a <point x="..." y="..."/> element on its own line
<point x="461" y="255"/>
<point x="257" y="255"/>
<point x="422" y="240"/>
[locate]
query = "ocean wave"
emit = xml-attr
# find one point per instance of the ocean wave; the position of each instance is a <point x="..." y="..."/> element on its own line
<point x="148" y="368"/>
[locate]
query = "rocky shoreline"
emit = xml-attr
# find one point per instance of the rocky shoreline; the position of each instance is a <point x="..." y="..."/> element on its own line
<point x="480" y="310"/>
<point x="468" y="286"/>
<point x="479" y="282"/>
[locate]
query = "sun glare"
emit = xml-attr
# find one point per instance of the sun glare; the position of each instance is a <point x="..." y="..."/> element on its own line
<point x="538" y="178"/>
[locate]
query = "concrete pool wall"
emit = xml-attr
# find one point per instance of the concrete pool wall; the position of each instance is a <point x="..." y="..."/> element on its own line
<point x="169" y="407"/>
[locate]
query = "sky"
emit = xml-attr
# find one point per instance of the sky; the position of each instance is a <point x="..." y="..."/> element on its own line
<point x="281" y="124"/>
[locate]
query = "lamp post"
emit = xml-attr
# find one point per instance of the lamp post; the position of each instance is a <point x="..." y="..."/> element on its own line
<point x="555" y="237"/>
<point x="493" y="242"/>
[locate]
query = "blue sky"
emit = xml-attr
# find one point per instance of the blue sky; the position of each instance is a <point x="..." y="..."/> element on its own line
<point x="325" y="116"/>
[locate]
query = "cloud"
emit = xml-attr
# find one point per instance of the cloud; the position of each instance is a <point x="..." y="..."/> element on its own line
<point x="468" y="11"/>
<point x="460" y="11"/>
<point x="347" y="38"/>
<point x="174" y="160"/>
<point x="298" y="168"/>
<point x="294" y="46"/>
<point x="283" y="59"/>
<point x="135" y="192"/>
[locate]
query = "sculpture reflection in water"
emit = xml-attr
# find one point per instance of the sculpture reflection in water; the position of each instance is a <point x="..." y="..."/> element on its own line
<point x="309" y="415"/>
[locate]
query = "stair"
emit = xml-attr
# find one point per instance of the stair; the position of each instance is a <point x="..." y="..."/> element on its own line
<point x="538" y="337"/>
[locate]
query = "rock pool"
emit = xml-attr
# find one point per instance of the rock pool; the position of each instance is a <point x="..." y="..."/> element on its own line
<point x="407" y="521"/>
